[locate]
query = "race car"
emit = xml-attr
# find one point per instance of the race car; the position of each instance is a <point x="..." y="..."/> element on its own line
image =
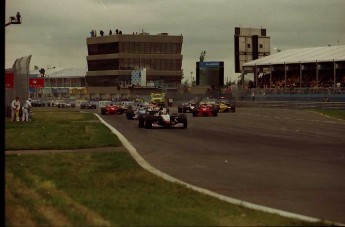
<point x="162" y="119"/>
<point x="187" y="106"/>
<point x="111" y="109"/>
<point x="159" y="98"/>
<point x="125" y="104"/>
<point x="225" y="106"/>
<point x="88" y="105"/>
<point x="205" y="110"/>
<point x="134" y="112"/>
<point x="37" y="103"/>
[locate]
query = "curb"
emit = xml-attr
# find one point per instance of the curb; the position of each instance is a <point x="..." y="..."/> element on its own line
<point x="142" y="162"/>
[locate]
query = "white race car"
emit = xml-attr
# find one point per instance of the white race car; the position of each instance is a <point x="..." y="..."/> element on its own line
<point x="162" y="119"/>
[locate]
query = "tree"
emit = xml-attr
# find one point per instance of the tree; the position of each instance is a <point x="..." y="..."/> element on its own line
<point x="202" y="56"/>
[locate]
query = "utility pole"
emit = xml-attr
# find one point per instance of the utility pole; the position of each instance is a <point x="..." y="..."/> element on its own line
<point x="191" y="78"/>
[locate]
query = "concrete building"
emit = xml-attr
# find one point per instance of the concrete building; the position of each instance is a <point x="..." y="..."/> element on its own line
<point x="113" y="60"/>
<point x="250" y="44"/>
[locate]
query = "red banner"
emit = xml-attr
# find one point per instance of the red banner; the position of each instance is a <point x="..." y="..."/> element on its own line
<point x="9" y="79"/>
<point x="36" y="82"/>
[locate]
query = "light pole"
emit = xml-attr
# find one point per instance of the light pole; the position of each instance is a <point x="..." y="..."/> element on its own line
<point x="191" y="78"/>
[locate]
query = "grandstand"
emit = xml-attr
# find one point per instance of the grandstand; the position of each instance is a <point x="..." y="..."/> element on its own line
<point x="318" y="71"/>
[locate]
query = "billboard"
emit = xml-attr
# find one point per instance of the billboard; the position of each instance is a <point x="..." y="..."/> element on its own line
<point x="210" y="73"/>
<point x="9" y="79"/>
<point x="35" y="82"/>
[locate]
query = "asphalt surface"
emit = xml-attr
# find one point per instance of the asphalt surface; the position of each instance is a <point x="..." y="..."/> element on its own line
<point x="291" y="160"/>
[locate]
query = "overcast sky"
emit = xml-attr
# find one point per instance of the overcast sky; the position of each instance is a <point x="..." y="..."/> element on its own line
<point x="55" y="32"/>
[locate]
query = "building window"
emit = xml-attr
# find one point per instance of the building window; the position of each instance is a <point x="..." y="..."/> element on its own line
<point x="137" y="48"/>
<point x="153" y="48"/>
<point x="163" y="64"/>
<point x="174" y="48"/>
<point x="174" y="64"/>
<point x="158" y="48"/>
<point x="169" y="48"/>
<point x="168" y="66"/>
<point x="148" y="48"/>
<point x="260" y="46"/>
<point x="163" y="48"/>
<point x="248" y="45"/>
<point x="131" y="48"/>
<point x="158" y="64"/>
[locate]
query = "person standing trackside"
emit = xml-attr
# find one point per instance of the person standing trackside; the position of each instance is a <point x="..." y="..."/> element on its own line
<point x="15" y="107"/>
<point x="18" y="17"/>
<point x="26" y="108"/>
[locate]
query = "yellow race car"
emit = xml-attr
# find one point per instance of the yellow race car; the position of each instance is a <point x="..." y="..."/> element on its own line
<point x="158" y="98"/>
<point x="225" y="106"/>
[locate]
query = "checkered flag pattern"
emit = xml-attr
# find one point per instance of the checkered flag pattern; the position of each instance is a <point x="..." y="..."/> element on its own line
<point x="136" y="77"/>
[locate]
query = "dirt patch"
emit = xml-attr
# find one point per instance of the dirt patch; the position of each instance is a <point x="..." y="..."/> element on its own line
<point x="99" y="149"/>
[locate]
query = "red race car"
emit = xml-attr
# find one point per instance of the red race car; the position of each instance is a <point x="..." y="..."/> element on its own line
<point x="112" y="109"/>
<point x="205" y="110"/>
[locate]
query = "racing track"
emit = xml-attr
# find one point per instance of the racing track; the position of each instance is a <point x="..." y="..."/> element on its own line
<point x="290" y="160"/>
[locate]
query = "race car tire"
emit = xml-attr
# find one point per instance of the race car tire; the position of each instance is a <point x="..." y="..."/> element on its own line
<point x="195" y="113"/>
<point x="103" y="111"/>
<point x="130" y="114"/>
<point x="182" y="118"/>
<point x="233" y="109"/>
<point x="215" y="112"/>
<point x="141" y="121"/>
<point x="148" y="121"/>
<point x="179" y="110"/>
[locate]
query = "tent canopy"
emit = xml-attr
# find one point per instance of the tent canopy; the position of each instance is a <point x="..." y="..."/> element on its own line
<point x="302" y="55"/>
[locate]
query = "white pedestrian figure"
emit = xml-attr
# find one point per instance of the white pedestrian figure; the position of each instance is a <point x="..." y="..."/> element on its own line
<point x="26" y="109"/>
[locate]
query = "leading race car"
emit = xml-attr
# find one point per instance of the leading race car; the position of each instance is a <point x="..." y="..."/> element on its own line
<point x="111" y="109"/>
<point x="162" y="119"/>
<point x="205" y="109"/>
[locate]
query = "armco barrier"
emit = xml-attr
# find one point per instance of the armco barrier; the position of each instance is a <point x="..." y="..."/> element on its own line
<point x="290" y="104"/>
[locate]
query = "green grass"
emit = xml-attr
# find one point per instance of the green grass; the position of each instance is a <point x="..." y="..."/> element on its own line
<point x="102" y="188"/>
<point x="333" y="113"/>
<point x="112" y="188"/>
<point x="58" y="130"/>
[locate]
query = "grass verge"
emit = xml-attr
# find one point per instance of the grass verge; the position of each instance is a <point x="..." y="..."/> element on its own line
<point x="58" y="130"/>
<point x="333" y="113"/>
<point x="104" y="188"/>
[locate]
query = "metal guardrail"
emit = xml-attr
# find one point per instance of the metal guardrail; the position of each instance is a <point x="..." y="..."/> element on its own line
<point x="295" y="105"/>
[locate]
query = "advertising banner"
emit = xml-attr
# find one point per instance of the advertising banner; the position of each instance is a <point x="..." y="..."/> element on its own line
<point x="36" y="82"/>
<point x="9" y="79"/>
<point x="60" y="90"/>
<point x="78" y="90"/>
<point x="46" y="90"/>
